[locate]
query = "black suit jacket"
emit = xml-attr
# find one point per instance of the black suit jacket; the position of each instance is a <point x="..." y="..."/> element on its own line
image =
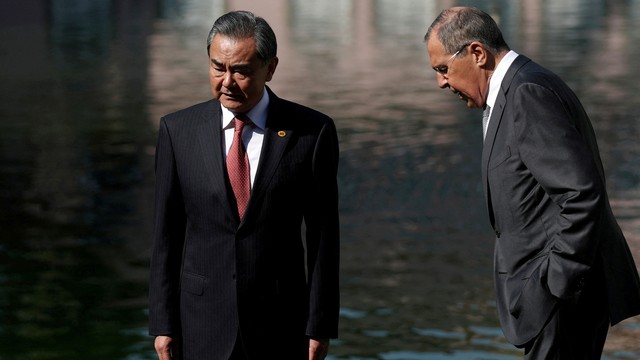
<point x="547" y="201"/>
<point x="213" y="275"/>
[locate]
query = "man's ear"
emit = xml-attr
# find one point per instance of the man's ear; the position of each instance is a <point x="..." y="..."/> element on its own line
<point x="272" y="68"/>
<point x="481" y="55"/>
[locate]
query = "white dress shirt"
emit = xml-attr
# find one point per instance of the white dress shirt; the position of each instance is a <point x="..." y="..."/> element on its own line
<point x="496" y="80"/>
<point x="252" y="134"/>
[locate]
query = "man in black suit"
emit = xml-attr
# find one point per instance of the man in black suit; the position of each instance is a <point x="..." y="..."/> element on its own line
<point x="563" y="270"/>
<point x="233" y="278"/>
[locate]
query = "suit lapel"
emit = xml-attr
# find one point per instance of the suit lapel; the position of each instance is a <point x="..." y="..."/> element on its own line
<point x="276" y="137"/>
<point x="494" y="124"/>
<point x="210" y="137"/>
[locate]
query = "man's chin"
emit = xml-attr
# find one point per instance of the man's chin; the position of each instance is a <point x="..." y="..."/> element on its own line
<point x="472" y="104"/>
<point x="467" y="102"/>
<point x="233" y="105"/>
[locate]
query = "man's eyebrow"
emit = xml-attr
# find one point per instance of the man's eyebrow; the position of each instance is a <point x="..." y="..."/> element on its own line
<point x="241" y="66"/>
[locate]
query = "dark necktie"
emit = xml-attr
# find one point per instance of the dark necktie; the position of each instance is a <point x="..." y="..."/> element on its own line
<point x="238" y="167"/>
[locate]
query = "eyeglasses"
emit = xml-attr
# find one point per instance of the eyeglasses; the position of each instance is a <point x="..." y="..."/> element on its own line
<point x="444" y="69"/>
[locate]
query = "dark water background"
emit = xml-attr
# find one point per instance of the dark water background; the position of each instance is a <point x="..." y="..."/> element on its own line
<point x="83" y="84"/>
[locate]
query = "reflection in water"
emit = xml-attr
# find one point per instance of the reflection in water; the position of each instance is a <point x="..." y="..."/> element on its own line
<point x="84" y="84"/>
<point x="74" y="193"/>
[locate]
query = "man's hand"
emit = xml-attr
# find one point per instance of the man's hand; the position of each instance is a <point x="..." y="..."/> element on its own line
<point x="167" y="348"/>
<point x="318" y="349"/>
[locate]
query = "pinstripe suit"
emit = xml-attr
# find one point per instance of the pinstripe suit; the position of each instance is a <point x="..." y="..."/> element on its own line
<point x="213" y="275"/>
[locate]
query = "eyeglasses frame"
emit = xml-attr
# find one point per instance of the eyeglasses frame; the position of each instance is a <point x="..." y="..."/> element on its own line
<point x="444" y="69"/>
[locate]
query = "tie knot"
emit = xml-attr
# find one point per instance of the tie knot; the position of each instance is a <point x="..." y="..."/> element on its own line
<point x="240" y="121"/>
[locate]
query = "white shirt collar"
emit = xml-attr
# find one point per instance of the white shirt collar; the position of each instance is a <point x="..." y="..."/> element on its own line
<point x="258" y="114"/>
<point x="498" y="76"/>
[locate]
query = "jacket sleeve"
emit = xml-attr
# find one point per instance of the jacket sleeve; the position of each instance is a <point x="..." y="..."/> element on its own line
<point x="556" y="152"/>
<point x="323" y="238"/>
<point x="168" y="241"/>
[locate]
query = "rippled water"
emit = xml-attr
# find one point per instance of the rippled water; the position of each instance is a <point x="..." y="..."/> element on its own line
<point x="84" y="84"/>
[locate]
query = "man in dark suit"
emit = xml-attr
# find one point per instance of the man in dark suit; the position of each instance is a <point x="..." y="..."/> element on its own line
<point x="563" y="270"/>
<point x="232" y="276"/>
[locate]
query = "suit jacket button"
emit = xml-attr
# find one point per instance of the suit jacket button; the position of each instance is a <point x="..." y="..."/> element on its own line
<point x="497" y="234"/>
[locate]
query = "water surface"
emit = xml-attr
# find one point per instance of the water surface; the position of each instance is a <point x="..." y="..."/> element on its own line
<point x="85" y="83"/>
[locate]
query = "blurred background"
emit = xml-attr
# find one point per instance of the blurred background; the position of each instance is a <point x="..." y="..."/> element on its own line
<point x="83" y="84"/>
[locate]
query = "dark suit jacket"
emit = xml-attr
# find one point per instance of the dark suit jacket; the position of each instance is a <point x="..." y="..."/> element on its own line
<point x="212" y="274"/>
<point x="546" y="196"/>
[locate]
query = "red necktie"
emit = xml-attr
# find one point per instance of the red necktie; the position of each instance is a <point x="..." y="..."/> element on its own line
<point x="238" y="168"/>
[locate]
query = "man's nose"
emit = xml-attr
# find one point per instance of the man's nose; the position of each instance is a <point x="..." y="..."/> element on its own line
<point x="228" y="81"/>
<point x="442" y="80"/>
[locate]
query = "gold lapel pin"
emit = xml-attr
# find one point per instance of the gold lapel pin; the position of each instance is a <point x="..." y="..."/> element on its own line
<point x="282" y="133"/>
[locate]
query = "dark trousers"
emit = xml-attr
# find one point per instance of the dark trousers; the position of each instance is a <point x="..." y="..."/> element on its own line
<point x="574" y="331"/>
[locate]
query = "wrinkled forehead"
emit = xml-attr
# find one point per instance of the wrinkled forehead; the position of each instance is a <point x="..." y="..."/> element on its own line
<point x="437" y="54"/>
<point x="225" y="48"/>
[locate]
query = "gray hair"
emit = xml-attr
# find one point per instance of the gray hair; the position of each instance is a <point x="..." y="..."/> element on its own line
<point x="461" y="26"/>
<point x="243" y="25"/>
